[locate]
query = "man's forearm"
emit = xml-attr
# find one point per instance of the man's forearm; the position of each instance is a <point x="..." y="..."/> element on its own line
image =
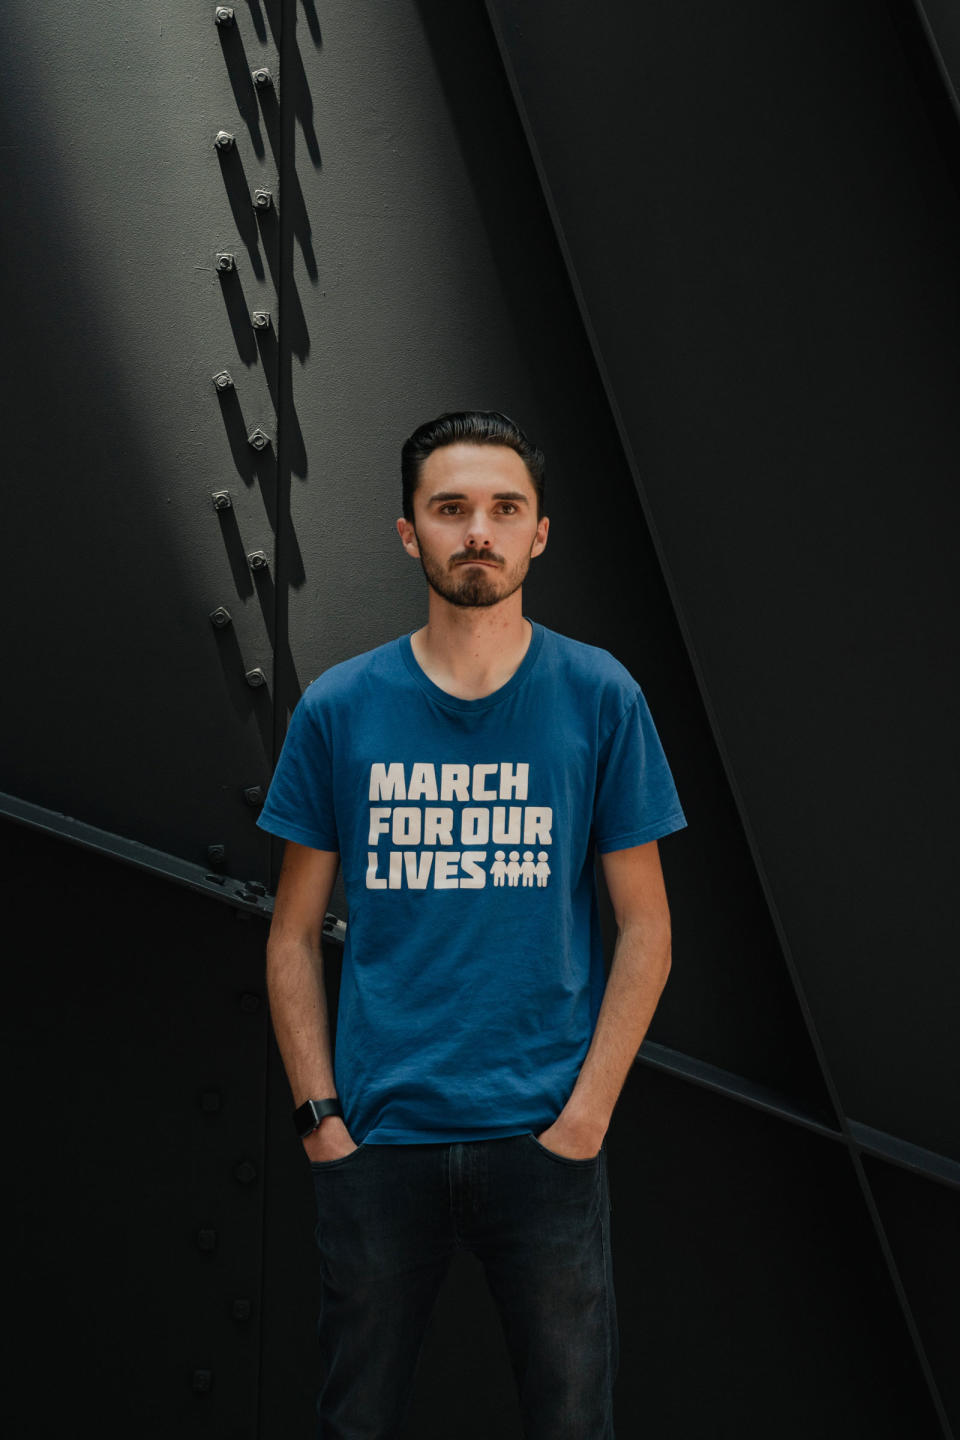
<point x="298" y="1008"/>
<point x="638" y="973"/>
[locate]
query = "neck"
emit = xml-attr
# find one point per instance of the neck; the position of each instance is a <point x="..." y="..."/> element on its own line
<point x="472" y="651"/>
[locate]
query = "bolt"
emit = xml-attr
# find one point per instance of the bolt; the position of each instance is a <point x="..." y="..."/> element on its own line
<point x="258" y="438"/>
<point x="219" y="617"/>
<point x="256" y="886"/>
<point x="202" y="1380"/>
<point x="221" y="499"/>
<point x="223" y="381"/>
<point x="241" y="1309"/>
<point x="207" y="1240"/>
<point x="253" y="795"/>
<point x="216" y="854"/>
<point x="225" y="261"/>
<point x="245" y="1172"/>
<point x="263" y="199"/>
<point x="249" y="1003"/>
<point x="261" y="319"/>
<point x="223" y="15"/>
<point x="223" y="140"/>
<point x="255" y="678"/>
<point x="257" y="560"/>
<point x="261" y="78"/>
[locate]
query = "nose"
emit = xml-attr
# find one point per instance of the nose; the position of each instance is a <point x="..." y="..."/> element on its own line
<point x="478" y="536"/>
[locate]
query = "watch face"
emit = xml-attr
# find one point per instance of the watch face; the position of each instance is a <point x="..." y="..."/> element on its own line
<point x="305" y="1119"/>
<point x="311" y="1112"/>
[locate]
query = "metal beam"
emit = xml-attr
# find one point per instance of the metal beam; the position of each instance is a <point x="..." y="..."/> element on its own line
<point x="249" y="896"/>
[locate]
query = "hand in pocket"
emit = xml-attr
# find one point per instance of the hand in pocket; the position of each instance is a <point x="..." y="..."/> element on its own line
<point x="330" y="1141"/>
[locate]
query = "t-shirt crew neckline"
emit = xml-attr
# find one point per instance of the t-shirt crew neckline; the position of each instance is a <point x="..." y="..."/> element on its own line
<point x="483" y="702"/>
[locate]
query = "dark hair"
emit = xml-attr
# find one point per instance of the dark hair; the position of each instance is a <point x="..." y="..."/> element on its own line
<point x="471" y="427"/>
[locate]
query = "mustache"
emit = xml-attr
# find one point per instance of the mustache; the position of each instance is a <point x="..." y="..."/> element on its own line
<point x="468" y="555"/>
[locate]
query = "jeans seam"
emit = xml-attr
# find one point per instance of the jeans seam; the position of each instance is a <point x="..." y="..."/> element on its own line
<point x="607" y="1282"/>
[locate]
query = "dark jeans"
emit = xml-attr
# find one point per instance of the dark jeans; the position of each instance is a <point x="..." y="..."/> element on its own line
<point x="390" y="1218"/>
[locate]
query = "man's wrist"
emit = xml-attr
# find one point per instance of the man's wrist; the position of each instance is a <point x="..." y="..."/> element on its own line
<point x="310" y="1115"/>
<point x="327" y="1131"/>
<point x="583" y="1124"/>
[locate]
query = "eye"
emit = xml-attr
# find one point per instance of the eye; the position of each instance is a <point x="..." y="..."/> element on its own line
<point x="449" y="507"/>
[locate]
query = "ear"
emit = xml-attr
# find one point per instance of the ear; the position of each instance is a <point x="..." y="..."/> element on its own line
<point x="540" y="540"/>
<point x="409" y="537"/>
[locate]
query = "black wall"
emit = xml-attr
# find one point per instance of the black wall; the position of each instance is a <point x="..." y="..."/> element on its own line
<point x="707" y="258"/>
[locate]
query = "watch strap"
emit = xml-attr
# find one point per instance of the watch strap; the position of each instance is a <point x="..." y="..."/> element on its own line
<point x="307" y="1116"/>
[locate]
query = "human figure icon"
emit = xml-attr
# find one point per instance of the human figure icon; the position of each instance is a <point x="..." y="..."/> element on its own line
<point x="498" y="869"/>
<point x="543" y="869"/>
<point x="513" y="869"/>
<point x="526" y="869"/>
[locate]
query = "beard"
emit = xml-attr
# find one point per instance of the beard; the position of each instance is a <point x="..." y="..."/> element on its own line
<point x="472" y="587"/>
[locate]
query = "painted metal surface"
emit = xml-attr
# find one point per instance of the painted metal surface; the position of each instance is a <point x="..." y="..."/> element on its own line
<point x="127" y="708"/>
<point x="780" y="351"/>
<point x="253" y="248"/>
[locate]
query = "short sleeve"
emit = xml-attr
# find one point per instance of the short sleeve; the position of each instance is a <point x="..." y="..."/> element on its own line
<point x="636" y="799"/>
<point x="299" y="804"/>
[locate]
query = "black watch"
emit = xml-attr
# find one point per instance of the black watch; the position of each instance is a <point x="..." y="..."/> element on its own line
<point x="311" y="1112"/>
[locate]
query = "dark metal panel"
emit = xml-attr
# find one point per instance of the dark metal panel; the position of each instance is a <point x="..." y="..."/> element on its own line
<point x="749" y="1283"/>
<point x="145" y="1084"/>
<point x="922" y="1222"/>
<point x="124" y="704"/>
<point x="135" y="1035"/>
<point x="940" y="26"/>
<point x="415" y="268"/>
<point x="763" y="231"/>
<point x="247" y="896"/>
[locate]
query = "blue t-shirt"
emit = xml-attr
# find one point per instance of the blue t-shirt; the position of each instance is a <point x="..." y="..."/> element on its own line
<point x="473" y="969"/>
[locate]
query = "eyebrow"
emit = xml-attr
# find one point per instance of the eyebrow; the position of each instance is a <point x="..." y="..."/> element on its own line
<point x="457" y="495"/>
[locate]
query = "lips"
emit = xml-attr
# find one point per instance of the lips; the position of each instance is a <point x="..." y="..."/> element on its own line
<point x="491" y="563"/>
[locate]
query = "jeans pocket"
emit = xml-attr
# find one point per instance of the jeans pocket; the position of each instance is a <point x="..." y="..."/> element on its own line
<point x="565" y="1159"/>
<point x="319" y="1166"/>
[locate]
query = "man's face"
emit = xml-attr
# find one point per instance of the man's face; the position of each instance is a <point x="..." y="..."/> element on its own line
<point x="475" y="526"/>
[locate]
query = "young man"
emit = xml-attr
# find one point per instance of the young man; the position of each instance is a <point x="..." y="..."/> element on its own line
<point x="465" y="775"/>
